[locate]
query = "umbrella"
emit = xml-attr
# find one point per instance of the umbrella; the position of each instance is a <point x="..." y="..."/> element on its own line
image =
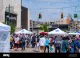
<point x="43" y="33"/>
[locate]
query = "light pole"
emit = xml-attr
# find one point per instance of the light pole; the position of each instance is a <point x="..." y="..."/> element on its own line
<point x="8" y="16"/>
<point x="32" y="25"/>
<point x="75" y="16"/>
<point x="39" y="17"/>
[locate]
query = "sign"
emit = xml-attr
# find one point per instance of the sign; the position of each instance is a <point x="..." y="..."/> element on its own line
<point x="13" y="18"/>
<point x="75" y="16"/>
<point x="57" y="30"/>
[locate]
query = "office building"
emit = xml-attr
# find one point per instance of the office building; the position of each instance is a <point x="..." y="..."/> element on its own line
<point x="15" y="12"/>
<point x="25" y="21"/>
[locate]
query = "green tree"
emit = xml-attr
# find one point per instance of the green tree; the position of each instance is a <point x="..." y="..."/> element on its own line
<point x="44" y="27"/>
<point x="13" y="28"/>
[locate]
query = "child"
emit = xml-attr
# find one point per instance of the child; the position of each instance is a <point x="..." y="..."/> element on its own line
<point x="51" y="48"/>
<point x="51" y="44"/>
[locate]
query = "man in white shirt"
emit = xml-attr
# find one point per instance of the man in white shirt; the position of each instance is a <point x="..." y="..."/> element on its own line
<point x="16" y="42"/>
<point x="42" y="43"/>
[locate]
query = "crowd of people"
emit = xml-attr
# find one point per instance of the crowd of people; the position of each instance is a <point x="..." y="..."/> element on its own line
<point x="46" y="43"/>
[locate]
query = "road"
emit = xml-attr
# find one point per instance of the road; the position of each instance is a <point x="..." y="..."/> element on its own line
<point x="27" y="50"/>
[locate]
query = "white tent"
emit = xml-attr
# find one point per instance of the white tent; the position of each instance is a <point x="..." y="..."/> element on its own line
<point x="57" y="32"/>
<point x="74" y="33"/>
<point x="24" y="31"/>
<point x="4" y="38"/>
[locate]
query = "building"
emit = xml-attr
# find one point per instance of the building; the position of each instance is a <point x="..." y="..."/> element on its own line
<point x="62" y="21"/>
<point x="15" y="12"/>
<point x="35" y="26"/>
<point x="25" y="22"/>
<point x="61" y="26"/>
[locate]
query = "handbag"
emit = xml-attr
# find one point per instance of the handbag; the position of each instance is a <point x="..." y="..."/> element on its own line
<point x="18" y="42"/>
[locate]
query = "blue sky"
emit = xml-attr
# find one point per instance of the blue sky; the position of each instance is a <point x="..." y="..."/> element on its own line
<point x="51" y="9"/>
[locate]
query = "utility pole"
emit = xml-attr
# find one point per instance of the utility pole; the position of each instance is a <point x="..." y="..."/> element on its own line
<point x="76" y="28"/>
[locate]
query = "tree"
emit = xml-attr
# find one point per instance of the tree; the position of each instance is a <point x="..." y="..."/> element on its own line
<point x="13" y="28"/>
<point x="44" y="27"/>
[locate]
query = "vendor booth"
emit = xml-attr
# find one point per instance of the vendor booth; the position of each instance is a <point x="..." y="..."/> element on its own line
<point x="57" y="32"/>
<point x="23" y="31"/>
<point x="4" y="38"/>
<point x="74" y="33"/>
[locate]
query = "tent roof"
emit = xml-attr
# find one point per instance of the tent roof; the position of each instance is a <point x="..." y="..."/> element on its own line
<point x="4" y="27"/>
<point x="74" y="33"/>
<point x="57" y="31"/>
<point x="24" y="31"/>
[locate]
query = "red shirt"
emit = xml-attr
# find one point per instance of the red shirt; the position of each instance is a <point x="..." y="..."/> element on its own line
<point x="51" y="40"/>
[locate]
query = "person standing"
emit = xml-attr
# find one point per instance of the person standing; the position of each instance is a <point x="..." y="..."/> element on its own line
<point x="71" y="46"/>
<point x="11" y="42"/>
<point x="16" y="42"/>
<point x="28" y="41"/>
<point x="51" y="44"/>
<point x="64" y="45"/>
<point x="75" y="41"/>
<point x="42" y="43"/>
<point x="33" y="41"/>
<point x="57" y="44"/>
<point x="47" y="42"/>
<point x="78" y="45"/>
<point x="22" y="40"/>
<point x="26" y="36"/>
<point x="37" y="43"/>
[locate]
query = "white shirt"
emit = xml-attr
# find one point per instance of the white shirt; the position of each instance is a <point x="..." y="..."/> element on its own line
<point x="16" y="39"/>
<point x="42" y="41"/>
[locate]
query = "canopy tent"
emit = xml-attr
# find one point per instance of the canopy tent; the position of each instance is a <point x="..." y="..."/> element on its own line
<point x="23" y="31"/>
<point x="4" y="38"/>
<point x="74" y="33"/>
<point x="57" y="32"/>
